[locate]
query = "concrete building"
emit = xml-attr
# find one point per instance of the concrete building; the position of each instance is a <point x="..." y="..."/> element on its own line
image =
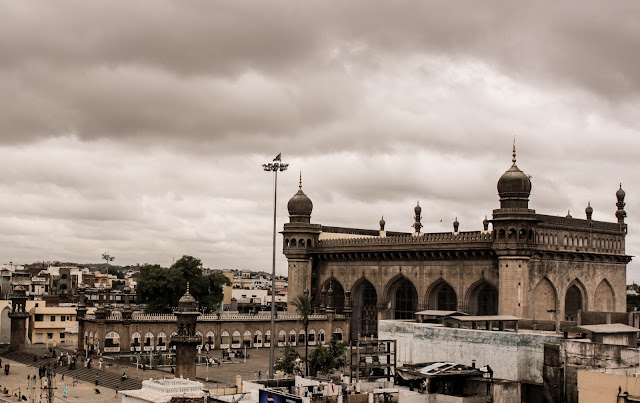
<point x="54" y="326"/>
<point x="163" y="390"/>
<point x="543" y="268"/>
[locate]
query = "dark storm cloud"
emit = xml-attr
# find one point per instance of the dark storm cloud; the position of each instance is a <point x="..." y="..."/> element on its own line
<point x="225" y="72"/>
<point x="141" y="127"/>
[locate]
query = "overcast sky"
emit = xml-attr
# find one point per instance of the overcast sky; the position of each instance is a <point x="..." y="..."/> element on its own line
<point x="140" y="127"/>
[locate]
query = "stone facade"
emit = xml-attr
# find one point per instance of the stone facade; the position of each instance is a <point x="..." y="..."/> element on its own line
<point x="538" y="267"/>
<point x="117" y="333"/>
<point x="19" y="316"/>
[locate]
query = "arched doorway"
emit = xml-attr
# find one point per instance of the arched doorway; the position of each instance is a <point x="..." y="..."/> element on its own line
<point x="403" y="297"/>
<point x="544" y="301"/>
<point x="604" y="297"/>
<point x="443" y="297"/>
<point x="483" y="300"/>
<point x="572" y="303"/>
<point x="335" y="298"/>
<point x="364" y="319"/>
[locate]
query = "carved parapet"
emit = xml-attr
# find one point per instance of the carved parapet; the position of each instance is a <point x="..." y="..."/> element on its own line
<point x="187" y="339"/>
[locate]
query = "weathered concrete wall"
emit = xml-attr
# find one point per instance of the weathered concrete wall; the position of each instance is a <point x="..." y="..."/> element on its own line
<point x="603" y="388"/>
<point x="512" y="356"/>
<point x="565" y="360"/>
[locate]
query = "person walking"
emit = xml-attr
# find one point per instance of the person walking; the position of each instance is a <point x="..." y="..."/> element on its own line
<point x="97" y="378"/>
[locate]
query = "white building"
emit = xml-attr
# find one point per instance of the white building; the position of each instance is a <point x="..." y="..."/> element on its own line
<point x="162" y="390"/>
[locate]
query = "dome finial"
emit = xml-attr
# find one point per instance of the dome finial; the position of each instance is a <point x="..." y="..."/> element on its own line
<point x="187" y="287"/>
<point x="514" y="151"/>
<point x="300" y="182"/>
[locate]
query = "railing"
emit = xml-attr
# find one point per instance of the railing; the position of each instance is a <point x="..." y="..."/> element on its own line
<point x="223" y="317"/>
<point x="153" y="317"/>
<point x="439" y="237"/>
<point x="578" y="222"/>
<point x="115" y="315"/>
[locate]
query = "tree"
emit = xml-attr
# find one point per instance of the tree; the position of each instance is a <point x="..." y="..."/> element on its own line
<point x="302" y="303"/>
<point x="289" y="360"/>
<point x="161" y="288"/>
<point x="326" y="359"/>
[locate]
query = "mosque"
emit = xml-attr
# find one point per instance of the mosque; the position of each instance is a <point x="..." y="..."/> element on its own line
<point x="544" y="269"/>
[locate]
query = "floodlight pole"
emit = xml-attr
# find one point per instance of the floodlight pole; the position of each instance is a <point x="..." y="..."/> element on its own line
<point x="274" y="167"/>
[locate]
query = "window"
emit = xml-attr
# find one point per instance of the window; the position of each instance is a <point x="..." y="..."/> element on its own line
<point x="49" y="335"/>
<point x="53" y="318"/>
<point x="62" y="335"/>
<point x="63" y="318"/>
<point x="38" y="318"/>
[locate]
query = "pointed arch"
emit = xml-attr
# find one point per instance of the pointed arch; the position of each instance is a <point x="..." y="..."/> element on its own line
<point x="402" y="297"/>
<point x="482" y="298"/>
<point x="605" y="298"/>
<point x="575" y="299"/>
<point x="338" y="294"/>
<point x="364" y="318"/>
<point x="441" y="296"/>
<point x="544" y="302"/>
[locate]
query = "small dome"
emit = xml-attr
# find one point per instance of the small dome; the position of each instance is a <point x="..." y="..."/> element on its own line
<point x="418" y="209"/>
<point x="569" y="214"/>
<point x="300" y="204"/>
<point x="589" y="209"/>
<point x="620" y="194"/>
<point x="187" y="303"/>
<point x="514" y="183"/>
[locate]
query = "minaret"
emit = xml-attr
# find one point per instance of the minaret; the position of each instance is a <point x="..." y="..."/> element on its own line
<point x="589" y="211"/>
<point x="186" y="340"/>
<point x="300" y="240"/>
<point x="620" y="214"/>
<point x="514" y="226"/>
<point x="417" y="224"/>
<point x="18" y="317"/>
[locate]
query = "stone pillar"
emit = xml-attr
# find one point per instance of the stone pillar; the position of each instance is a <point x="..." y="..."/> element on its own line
<point x="186" y="340"/>
<point x="513" y="285"/>
<point x="19" y="316"/>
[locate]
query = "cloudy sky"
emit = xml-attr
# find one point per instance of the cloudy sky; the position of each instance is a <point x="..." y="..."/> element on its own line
<point x="139" y="127"/>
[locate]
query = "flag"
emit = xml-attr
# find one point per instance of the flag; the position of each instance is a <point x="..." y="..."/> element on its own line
<point x="278" y="157"/>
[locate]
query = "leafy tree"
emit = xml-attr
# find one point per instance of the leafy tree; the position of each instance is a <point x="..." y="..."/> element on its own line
<point x="161" y="288"/>
<point x="152" y="288"/>
<point x="115" y="272"/>
<point x="287" y="363"/>
<point x="633" y="302"/>
<point x="329" y="358"/>
<point x="302" y="303"/>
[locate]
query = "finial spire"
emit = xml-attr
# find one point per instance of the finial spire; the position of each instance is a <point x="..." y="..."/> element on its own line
<point x="514" y="151"/>
<point x="300" y="182"/>
<point x="187" y="287"/>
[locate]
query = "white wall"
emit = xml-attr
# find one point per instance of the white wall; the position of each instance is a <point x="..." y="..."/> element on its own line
<point x="512" y="356"/>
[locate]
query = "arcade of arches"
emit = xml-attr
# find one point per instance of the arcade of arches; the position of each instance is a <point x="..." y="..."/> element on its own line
<point x="529" y="265"/>
<point x="369" y="301"/>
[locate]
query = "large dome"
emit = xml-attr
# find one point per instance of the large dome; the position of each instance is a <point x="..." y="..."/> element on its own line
<point x="514" y="183"/>
<point x="514" y="187"/>
<point x="300" y="204"/>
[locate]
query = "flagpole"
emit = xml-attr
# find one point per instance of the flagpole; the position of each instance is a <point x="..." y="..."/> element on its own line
<point x="274" y="167"/>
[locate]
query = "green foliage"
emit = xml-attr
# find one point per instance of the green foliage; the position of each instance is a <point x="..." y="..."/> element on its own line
<point x="329" y="358"/>
<point x="115" y="272"/>
<point x="303" y="306"/>
<point x="161" y="288"/>
<point x="287" y="363"/>
<point x="633" y="301"/>
<point x="302" y="303"/>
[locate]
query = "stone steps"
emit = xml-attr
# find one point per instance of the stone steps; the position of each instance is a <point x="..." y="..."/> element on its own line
<point x="106" y="379"/>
